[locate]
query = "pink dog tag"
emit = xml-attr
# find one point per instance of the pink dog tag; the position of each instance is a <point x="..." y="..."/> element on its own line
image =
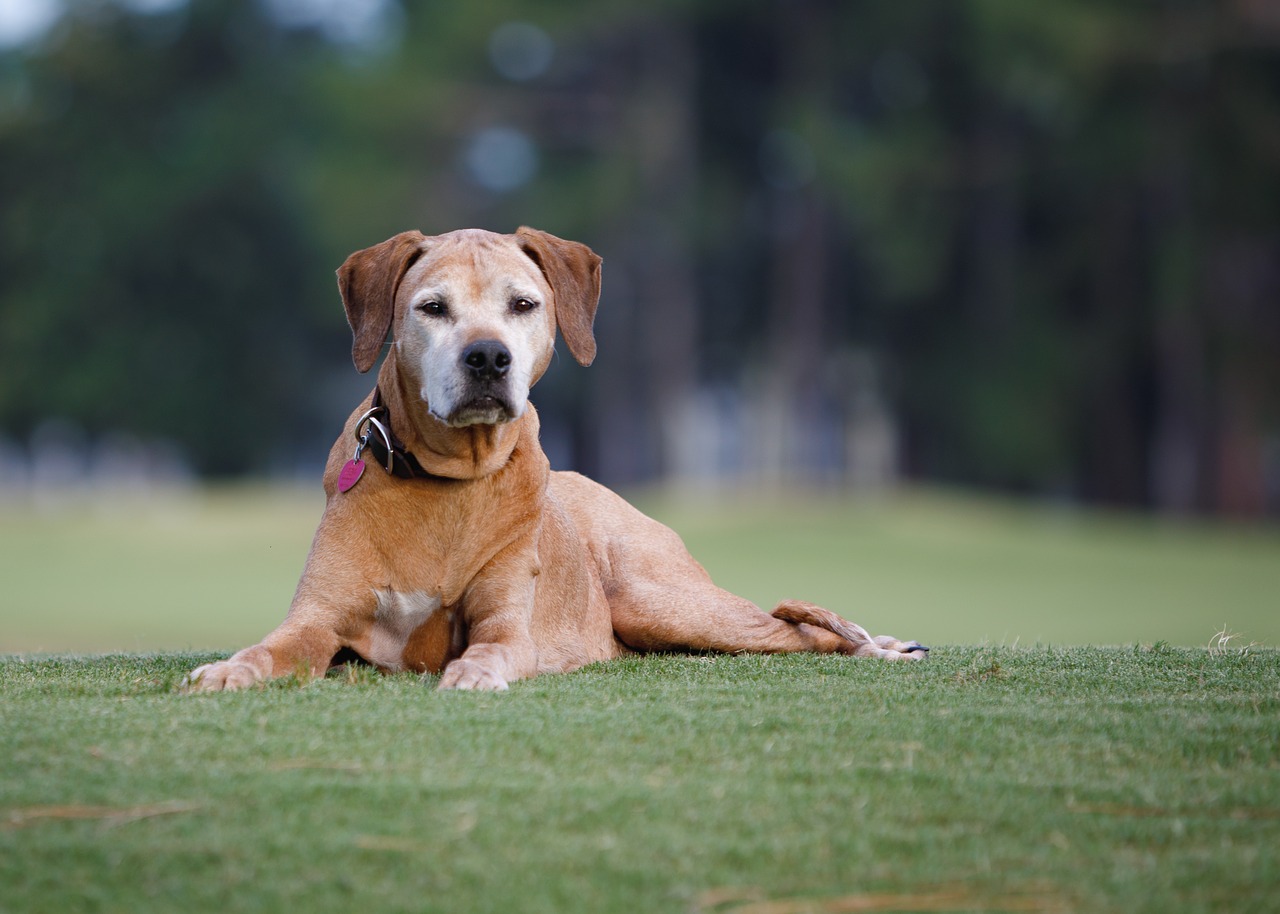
<point x="350" y="475"/>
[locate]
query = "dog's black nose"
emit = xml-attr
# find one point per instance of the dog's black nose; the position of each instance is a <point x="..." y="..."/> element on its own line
<point x="487" y="360"/>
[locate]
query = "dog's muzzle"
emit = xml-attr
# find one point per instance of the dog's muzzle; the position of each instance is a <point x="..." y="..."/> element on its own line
<point x="485" y="365"/>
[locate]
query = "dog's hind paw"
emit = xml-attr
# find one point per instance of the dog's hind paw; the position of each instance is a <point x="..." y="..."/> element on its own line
<point x="893" y="649"/>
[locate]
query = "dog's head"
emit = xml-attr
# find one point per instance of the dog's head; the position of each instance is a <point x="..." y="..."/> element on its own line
<point x="474" y="314"/>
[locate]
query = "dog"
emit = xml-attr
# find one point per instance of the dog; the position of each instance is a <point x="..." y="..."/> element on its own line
<point x="447" y="544"/>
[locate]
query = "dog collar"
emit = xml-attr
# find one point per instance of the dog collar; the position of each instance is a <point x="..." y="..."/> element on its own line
<point x="373" y="432"/>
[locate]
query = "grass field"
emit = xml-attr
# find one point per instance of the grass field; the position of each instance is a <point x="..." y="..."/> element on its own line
<point x="1018" y="769"/>
<point x="986" y="779"/>
<point x="216" y="569"/>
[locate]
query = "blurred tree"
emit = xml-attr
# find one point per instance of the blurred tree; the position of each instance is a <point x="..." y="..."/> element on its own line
<point x="154" y="254"/>
<point x="1044" y="196"/>
<point x="1052" y="230"/>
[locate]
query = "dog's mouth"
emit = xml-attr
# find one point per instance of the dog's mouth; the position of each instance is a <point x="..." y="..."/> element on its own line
<point x="486" y="409"/>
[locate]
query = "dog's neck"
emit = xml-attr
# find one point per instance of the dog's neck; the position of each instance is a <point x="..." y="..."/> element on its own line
<point x="469" y="452"/>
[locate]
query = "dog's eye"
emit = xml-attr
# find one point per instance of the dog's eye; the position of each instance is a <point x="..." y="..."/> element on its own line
<point x="523" y="305"/>
<point x="434" y="308"/>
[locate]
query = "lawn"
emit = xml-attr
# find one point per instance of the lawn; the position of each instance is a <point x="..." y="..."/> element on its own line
<point x="216" y="569"/>
<point x="1023" y="767"/>
<point x="987" y="779"/>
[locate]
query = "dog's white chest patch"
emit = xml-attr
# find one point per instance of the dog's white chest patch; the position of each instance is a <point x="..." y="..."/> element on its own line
<point x="397" y="617"/>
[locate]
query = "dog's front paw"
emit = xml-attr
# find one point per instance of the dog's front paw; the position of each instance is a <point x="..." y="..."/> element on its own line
<point x="225" y="675"/>
<point x="468" y="674"/>
<point x="248" y="667"/>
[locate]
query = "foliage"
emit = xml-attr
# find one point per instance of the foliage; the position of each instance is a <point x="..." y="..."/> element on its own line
<point x="1054" y="227"/>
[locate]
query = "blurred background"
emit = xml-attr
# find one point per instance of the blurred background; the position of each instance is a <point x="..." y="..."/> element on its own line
<point x="1021" y="248"/>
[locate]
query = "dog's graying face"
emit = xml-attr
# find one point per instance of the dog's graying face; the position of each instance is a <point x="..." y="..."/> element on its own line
<point x="474" y="327"/>
<point x="473" y="314"/>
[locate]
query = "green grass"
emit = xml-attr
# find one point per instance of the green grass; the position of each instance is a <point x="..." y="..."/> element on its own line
<point x="986" y="779"/>
<point x="950" y="569"/>
<point x="213" y="568"/>
<point x="997" y="776"/>
<point x="217" y="569"/>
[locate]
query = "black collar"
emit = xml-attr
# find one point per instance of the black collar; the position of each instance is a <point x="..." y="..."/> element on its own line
<point x="388" y="450"/>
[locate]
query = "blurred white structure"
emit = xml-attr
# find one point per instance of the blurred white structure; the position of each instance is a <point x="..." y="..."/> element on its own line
<point x="728" y="436"/>
<point x="61" y="467"/>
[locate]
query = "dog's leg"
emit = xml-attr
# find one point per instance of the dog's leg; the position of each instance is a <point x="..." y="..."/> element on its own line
<point x="332" y="608"/>
<point x="886" y="647"/>
<point x="498" y="607"/>
<point x="294" y="647"/>
<point x="655" y="616"/>
<point x="491" y="664"/>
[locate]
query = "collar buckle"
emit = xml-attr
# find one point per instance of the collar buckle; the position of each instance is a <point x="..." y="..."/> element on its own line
<point x="366" y="425"/>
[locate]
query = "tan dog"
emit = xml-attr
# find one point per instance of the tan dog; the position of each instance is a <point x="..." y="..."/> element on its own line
<point x="454" y="547"/>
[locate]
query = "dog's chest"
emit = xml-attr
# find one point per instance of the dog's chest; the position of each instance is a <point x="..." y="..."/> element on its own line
<point x="411" y="630"/>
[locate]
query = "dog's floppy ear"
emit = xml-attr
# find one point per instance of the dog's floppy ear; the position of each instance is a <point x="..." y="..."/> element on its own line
<point x="368" y="281"/>
<point x="573" y="272"/>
